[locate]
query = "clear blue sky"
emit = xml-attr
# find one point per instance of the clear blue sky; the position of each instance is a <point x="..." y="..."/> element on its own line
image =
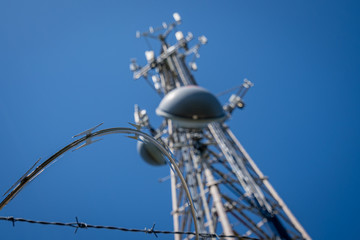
<point x="64" y="68"/>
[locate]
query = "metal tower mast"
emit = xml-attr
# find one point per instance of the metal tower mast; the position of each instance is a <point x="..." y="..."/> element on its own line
<point x="230" y="193"/>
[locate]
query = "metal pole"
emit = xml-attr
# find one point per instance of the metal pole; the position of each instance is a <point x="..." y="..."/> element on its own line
<point x="215" y="193"/>
<point x="175" y="208"/>
<point x="202" y="193"/>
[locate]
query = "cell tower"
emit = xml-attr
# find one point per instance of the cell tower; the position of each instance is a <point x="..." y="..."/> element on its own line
<point x="230" y="194"/>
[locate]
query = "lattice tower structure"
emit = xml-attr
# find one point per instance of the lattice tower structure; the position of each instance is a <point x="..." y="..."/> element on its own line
<point x="230" y="193"/>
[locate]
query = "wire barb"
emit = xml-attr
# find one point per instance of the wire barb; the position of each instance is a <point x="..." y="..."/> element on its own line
<point x="11" y="219"/>
<point x="152" y="231"/>
<point x="79" y="225"/>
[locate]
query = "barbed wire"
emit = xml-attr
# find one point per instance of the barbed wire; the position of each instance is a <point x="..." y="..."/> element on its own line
<point x="152" y="230"/>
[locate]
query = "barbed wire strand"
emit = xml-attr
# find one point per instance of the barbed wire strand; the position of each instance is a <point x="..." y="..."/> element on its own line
<point x="152" y="230"/>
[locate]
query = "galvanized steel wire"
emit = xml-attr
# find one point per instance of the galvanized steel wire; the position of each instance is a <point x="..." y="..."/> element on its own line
<point x="77" y="225"/>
